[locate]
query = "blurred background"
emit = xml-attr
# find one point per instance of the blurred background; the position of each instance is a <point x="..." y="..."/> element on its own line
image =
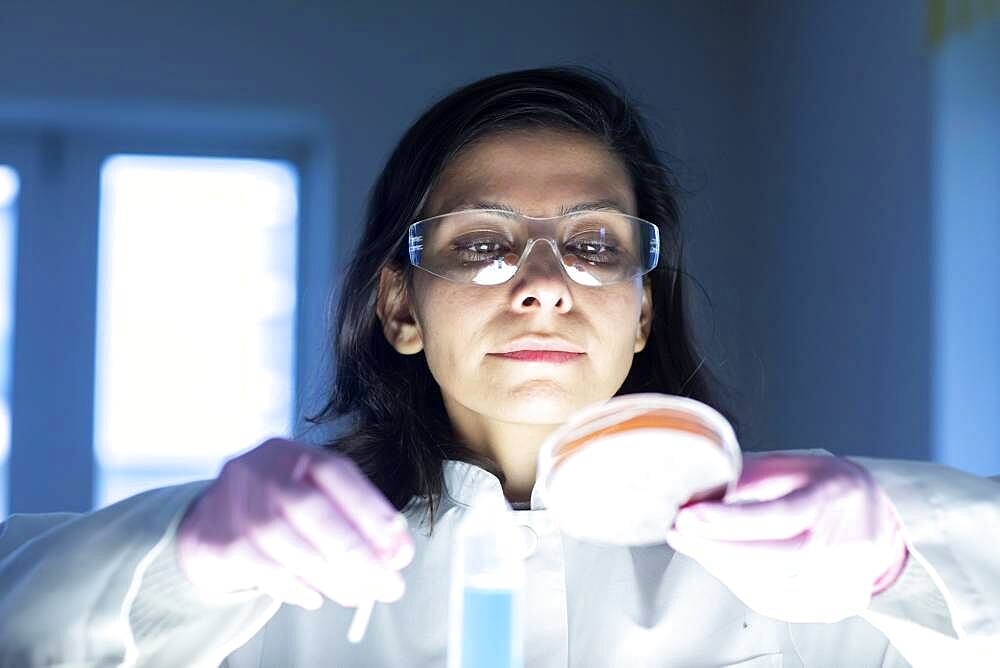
<point x="181" y="184"/>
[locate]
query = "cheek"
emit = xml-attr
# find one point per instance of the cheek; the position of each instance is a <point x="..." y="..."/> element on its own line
<point x="616" y="316"/>
<point x="450" y="325"/>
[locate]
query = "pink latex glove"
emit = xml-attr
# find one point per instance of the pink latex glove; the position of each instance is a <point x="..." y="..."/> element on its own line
<point x="801" y="538"/>
<point x="295" y="521"/>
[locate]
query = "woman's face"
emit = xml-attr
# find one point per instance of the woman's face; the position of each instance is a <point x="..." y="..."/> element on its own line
<point x="462" y="327"/>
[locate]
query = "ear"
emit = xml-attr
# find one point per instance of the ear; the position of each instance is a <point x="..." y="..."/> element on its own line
<point x="645" y="316"/>
<point x="393" y="308"/>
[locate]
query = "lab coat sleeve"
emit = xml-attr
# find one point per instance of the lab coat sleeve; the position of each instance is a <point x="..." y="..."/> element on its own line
<point x="103" y="589"/>
<point x="944" y="609"/>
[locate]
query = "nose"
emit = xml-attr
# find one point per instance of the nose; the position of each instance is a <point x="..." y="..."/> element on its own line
<point x="540" y="282"/>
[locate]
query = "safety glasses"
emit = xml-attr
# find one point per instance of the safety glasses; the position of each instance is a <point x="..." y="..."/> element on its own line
<point x="486" y="246"/>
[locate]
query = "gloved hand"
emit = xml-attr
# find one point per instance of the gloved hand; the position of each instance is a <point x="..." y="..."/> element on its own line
<point x="296" y="522"/>
<point x="801" y="538"/>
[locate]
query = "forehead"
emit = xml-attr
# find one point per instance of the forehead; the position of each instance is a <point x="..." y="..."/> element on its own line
<point x="539" y="172"/>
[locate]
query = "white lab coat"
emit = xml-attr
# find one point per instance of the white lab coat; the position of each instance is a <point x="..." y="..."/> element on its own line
<point x="103" y="589"/>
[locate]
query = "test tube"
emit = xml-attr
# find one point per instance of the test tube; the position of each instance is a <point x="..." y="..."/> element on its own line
<point x="487" y="590"/>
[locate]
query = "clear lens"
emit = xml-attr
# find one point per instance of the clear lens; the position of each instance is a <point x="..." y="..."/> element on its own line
<point x="485" y="247"/>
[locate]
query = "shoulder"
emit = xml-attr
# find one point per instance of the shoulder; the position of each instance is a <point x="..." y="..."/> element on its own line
<point x="19" y="528"/>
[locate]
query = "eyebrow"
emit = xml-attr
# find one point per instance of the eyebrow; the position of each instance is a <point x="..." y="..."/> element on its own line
<point x="595" y="205"/>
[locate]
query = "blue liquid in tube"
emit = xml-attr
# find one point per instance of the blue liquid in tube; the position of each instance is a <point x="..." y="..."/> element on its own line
<point x="487" y="584"/>
<point x="488" y="628"/>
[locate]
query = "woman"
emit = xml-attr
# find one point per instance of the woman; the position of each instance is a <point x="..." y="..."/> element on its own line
<point x="452" y="377"/>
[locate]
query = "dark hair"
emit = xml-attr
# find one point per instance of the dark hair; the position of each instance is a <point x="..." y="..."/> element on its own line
<point x="399" y="433"/>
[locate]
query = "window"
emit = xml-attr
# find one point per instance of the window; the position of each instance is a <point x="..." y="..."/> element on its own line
<point x="8" y="205"/>
<point x="966" y="275"/>
<point x="195" y="316"/>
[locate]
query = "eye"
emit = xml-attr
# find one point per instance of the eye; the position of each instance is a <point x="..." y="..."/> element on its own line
<point x="478" y="250"/>
<point x="594" y="247"/>
<point x="484" y="246"/>
<point x="594" y="250"/>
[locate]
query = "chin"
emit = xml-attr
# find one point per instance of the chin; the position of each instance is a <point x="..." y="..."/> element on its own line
<point x="539" y="403"/>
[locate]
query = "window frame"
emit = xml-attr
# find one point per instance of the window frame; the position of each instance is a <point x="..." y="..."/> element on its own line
<point x="24" y="156"/>
<point x="56" y="276"/>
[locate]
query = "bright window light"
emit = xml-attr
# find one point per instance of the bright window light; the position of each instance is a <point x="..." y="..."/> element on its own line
<point x="196" y="313"/>
<point x="9" y="186"/>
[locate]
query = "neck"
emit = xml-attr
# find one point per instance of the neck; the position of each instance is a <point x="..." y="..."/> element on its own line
<point x="513" y="446"/>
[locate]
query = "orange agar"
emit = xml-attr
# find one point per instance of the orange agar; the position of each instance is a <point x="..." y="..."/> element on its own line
<point x="658" y="419"/>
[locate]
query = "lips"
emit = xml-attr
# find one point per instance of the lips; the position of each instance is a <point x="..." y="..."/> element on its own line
<point x="549" y="356"/>
<point x="539" y="344"/>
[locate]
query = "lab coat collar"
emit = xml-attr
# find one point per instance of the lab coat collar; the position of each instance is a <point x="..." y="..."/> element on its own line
<point x="465" y="481"/>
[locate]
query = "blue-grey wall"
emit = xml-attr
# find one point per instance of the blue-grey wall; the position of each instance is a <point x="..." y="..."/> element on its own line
<point x="833" y="185"/>
<point x="805" y="129"/>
